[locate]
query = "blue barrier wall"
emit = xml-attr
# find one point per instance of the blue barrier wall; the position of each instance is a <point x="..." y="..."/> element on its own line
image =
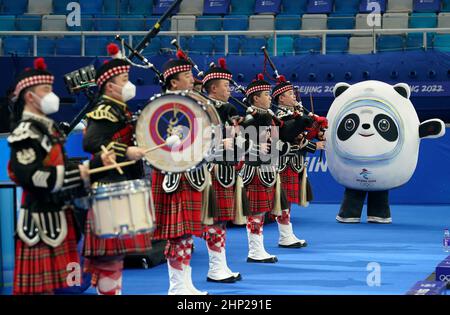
<point x="430" y="183"/>
<point x="427" y="72"/>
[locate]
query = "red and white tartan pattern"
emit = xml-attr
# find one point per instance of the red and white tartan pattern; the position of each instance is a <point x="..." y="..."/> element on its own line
<point x="282" y="90"/>
<point x="111" y="73"/>
<point x="33" y="80"/>
<point x="258" y="88"/>
<point x="216" y="76"/>
<point x="176" y="69"/>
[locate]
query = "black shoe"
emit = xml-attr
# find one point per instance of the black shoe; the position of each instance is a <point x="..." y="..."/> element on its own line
<point x="294" y="245"/>
<point x="270" y="260"/>
<point x="238" y="277"/>
<point x="226" y="280"/>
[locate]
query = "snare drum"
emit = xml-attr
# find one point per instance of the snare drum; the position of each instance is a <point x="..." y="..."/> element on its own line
<point x="123" y="209"/>
<point x="187" y="114"/>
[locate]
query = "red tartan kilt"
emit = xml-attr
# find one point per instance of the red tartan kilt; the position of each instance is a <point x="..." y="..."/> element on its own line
<point x="225" y="200"/>
<point x="42" y="268"/>
<point x="290" y="184"/>
<point x="260" y="197"/>
<point x="95" y="246"/>
<point x="177" y="213"/>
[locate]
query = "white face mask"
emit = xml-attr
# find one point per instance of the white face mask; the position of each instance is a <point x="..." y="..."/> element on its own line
<point x="49" y="103"/>
<point x="128" y="91"/>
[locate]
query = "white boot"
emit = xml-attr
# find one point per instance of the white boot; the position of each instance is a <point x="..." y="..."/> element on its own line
<point x="177" y="281"/>
<point x="217" y="268"/>
<point x="237" y="276"/>
<point x="256" y="250"/>
<point x="190" y="286"/>
<point x="287" y="237"/>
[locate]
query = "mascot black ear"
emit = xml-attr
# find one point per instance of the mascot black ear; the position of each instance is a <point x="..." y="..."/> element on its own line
<point x="403" y="89"/>
<point x="432" y="128"/>
<point x="340" y="88"/>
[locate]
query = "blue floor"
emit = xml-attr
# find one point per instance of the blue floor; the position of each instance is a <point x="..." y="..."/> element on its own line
<point x="335" y="262"/>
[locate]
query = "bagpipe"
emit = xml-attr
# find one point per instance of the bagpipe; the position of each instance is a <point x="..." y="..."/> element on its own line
<point x="320" y="124"/>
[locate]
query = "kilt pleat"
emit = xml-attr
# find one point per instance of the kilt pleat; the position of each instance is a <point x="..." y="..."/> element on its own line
<point x="260" y="197"/>
<point x="177" y="213"/>
<point x="290" y="184"/>
<point x="225" y="200"/>
<point x="42" y="268"/>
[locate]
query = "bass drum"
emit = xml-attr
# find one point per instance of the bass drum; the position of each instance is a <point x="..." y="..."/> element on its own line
<point x="186" y="114"/>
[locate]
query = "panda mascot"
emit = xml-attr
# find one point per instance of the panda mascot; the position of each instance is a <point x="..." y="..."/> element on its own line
<point x="373" y="145"/>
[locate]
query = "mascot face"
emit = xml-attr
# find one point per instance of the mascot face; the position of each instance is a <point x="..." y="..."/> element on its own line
<point x="374" y="135"/>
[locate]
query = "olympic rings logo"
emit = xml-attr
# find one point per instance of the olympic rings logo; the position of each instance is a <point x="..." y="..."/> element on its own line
<point x="445" y="278"/>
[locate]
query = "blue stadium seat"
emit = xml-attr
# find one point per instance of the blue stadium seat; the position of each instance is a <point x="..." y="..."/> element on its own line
<point x="7" y="23"/>
<point x="346" y="6"/>
<point x="91" y="6"/>
<point x="445" y="6"/>
<point x="28" y="22"/>
<point x="390" y="43"/>
<point x="111" y="7"/>
<point x="151" y="20"/>
<point x="165" y="43"/>
<point x="132" y="23"/>
<point x="304" y="45"/>
<point x="319" y="7"/>
<point x="59" y="6"/>
<point x="294" y="7"/>
<point x="45" y="46"/>
<point x="235" y="23"/>
<point x="68" y="46"/>
<point x="185" y="41"/>
<point x="15" y="6"/>
<point x="341" y="21"/>
<point x="96" y="46"/>
<point x="152" y="49"/>
<point x="423" y="20"/>
<point x="337" y="44"/>
<point x="106" y="23"/>
<point x="20" y="46"/>
<point x="242" y="7"/>
<point x="141" y="7"/>
<point x="442" y="42"/>
<point x="267" y="7"/>
<point x="426" y="6"/>
<point x="288" y="22"/>
<point x="285" y="45"/>
<point x="234" y="44"/>
<point x="87" y="24"/>
<point x="201" y="45"/>
<point x="363" y="7"/>
<point x="414" y="41"/>
<point x="215" y="7"/>
<point x="252" y="45"/>
<point x="209" y="23"/>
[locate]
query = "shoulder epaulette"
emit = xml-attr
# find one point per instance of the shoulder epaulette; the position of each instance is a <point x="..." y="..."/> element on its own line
<point x="104" y="111"/>
<point x="25" y="130"/>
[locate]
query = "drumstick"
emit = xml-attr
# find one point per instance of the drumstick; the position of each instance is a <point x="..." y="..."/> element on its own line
<point x="154" y="148"/>
<point x="170" y="141"/>
<point x="110" y="167"/>
<point x="105" y="150"/>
